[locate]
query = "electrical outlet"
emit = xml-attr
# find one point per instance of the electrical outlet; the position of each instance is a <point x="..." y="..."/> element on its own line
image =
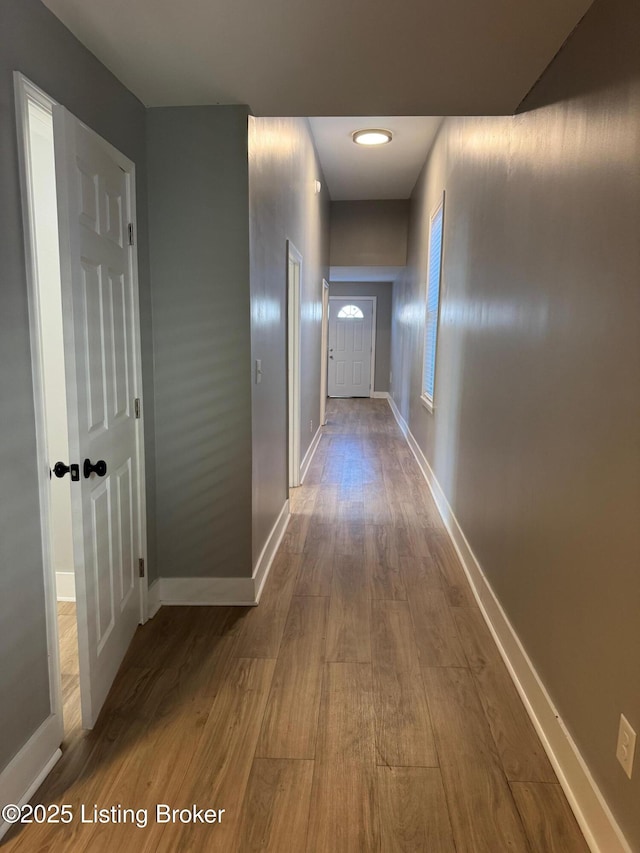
<point x="626" y="745"/>
<point x="310" y="426"/>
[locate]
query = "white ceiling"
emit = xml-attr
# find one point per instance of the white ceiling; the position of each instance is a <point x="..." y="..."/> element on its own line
<point x="328" y="57"/>
<point x="386" y="171"/>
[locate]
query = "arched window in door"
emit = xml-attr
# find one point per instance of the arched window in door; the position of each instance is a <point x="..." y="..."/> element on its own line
<point x="350" y="312"/>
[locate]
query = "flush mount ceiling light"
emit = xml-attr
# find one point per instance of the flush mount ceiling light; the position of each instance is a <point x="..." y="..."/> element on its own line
<point x="372" y="136"/>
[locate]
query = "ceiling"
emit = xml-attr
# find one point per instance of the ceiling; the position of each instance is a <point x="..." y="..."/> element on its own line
<point x="329" y="58"/>
<point x="338" y="62"/>
<point x="385" y="171"/>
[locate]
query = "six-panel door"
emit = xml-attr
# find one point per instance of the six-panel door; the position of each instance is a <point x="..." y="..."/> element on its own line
<point x="99" y="315"/>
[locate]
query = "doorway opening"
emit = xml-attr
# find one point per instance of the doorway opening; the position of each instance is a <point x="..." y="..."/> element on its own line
<point x="48" y="354"/>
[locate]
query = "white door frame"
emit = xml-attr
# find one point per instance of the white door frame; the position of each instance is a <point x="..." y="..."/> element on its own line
<point x="25" y="93"/>
<point x="374" y="300"/>
<point x="324" y="352"/>
<point x="293" y="364"/>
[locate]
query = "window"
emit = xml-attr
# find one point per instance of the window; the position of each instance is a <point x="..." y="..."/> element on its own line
<point x="434" y="276"/>
<point x="350" y="312"/>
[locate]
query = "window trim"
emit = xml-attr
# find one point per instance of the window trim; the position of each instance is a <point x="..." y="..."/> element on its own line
<point x="428" y="401"/>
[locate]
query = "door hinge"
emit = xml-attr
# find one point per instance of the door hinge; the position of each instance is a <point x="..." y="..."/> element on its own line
<point x="141" y="567"/>
<point x="136" y="407"/>
<point x="130" y="231"/>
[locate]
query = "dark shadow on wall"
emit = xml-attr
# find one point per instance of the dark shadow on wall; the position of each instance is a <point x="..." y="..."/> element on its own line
<point x="579" y="74"/>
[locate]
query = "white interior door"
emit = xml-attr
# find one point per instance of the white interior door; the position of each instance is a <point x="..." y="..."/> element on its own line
<point x="350" y="347"/>
<point x="95" y="192"/>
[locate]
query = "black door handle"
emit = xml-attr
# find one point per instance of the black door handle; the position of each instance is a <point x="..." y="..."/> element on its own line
<point x="100" y="468"/>
<point x="60" y="469"/>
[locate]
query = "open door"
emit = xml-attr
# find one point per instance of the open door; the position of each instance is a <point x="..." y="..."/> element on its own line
<point x="95" y="196"/>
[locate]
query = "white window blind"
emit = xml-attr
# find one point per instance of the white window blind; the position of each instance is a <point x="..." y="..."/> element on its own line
<point x="434" y="275"/>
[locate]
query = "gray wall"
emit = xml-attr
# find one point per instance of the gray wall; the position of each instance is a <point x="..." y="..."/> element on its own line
<point x="369" y="233"/>
<point x="283" y="166"/>
<point x="535" y="434"/>
<point x="33" y="41"/>
<point x="382" y="291"/>
<point x="199" y="251"/>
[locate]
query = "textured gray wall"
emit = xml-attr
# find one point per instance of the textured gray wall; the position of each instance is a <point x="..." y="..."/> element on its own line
<point x="33" y="41"/>
<point x="199" y="250"/>
<point x="535" y="437"/>
<point x="369" y="233"/>
<point x="283" y="166"/>
<point x="382" y="291"/>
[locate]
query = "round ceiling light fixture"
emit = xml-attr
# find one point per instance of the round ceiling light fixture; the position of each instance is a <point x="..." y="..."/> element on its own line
<point x="372" y="136"/>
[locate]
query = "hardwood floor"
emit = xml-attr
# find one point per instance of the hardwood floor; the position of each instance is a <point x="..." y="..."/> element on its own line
<point x="68" y="636"/>
<point x="362" y="706"/>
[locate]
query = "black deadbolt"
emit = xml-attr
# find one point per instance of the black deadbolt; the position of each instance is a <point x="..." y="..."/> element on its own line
<point x="60" y="469"/>
<point x="100" y="468"/>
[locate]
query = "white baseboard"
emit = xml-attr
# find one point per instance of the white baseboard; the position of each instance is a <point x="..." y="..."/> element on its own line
<point x="206" y="591"/>
<point x="380" y="395"/>
<point x="308" y="456"/>
<point x="599" y="826"/>
<point x="153" y="599"/>
<point x="24" y="774"/>
<point x="65" y="586"/>
<point x="241" y="592"/>
<point x="398" y="416"/>
<point x="265" y="560"/>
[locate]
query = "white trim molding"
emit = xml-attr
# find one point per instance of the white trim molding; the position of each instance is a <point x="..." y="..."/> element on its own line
<point x="427" y="403"/>
<point x="324" y="352"/>
<point x="265" y="560"/>
<point x="153" y="598"/>
<point x="241" y="592"/>
<point x="26" y="94"/>
<point x="294" y="295"/>
<point x="380" y="395"/>
<point x="24" y="774"/>
<point x="599" y="826"/>
<point x="65" y="586"/>
<point x="308" y="456"/>
<point x="194" y="592"/>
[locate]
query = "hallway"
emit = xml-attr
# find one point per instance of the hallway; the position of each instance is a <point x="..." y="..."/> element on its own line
<point x="363" y="706"/>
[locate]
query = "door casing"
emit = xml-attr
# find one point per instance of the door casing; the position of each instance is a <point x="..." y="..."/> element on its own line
<point x="294" y="284"/>
<point x="324" y="352"/>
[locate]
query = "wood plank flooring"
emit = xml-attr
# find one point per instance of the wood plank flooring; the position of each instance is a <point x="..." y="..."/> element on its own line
<point x="68" y="637"/>
<point x="362" y="706"/>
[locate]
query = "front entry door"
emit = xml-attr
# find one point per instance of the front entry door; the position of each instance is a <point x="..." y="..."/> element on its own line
<point x="350" y="344"/>
<point x="95" y="191"/>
